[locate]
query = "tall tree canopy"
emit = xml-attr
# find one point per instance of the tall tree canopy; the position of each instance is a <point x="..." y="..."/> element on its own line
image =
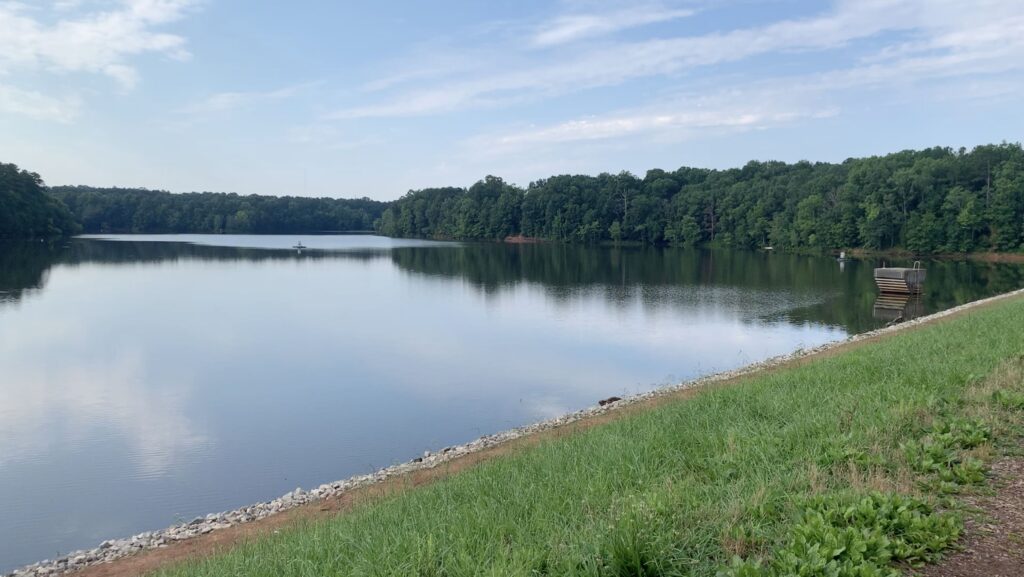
<point x="26" y="211"/>
<point x="927" y="201"/>
<point x="152" y="211"/>
<point x="933" y="200"/>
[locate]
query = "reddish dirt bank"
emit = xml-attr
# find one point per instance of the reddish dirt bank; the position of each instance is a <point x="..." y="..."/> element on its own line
<point x="520" y="239"/>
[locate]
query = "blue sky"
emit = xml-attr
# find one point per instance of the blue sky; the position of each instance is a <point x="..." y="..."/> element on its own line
<point x="330" y="98"/>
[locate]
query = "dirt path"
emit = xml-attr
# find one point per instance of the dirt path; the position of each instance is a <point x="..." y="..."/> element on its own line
<point x="993" y="542"/>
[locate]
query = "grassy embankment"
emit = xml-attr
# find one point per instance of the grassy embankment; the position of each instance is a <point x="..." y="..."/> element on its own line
<point x="851" y="460"/>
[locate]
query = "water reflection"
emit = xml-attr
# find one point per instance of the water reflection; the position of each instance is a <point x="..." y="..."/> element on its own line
<point x="23" y="268"/>
<point x="184" y="378"/>
<point x="894" y="308"/>
<point x="757" y="285"/>
<point x="108" y="397"/>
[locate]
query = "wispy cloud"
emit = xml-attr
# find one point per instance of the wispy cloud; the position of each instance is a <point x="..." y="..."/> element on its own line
<point x="327" y="136"/>
<point x="72" y="36"/>
<point x="436" y="66"/>
<point x="676" y="123"/>
<point x="226" y="101"/>
<point x="992" y="53"/>
<point x="37" y="105"/>
<point x="573" y="27"/>
<point x="738" y="109"/>
<point x="97" y="42"/>
<point x="66" y="5"/>
<point x="949" y="30"/>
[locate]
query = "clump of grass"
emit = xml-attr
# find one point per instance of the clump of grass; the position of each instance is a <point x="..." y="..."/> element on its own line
<point x="844" y="536"/>
<point x="1009" y="399"/>
<point x="849" y="536"/>
<point x="865" y="537"/>
<point x="846" y="453"/>
<point x="941" y="455"/>
<point x="782" y="466"/>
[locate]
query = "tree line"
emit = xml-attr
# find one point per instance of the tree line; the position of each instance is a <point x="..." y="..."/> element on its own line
<point x="26" y="211"/>
<point x="131" y="210"/>
<point x="927" y="201"/>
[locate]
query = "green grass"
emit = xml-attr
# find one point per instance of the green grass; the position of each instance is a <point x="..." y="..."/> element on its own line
<point x="742" y="476"/>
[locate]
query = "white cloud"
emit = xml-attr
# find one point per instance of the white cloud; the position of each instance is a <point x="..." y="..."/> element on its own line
<point x="224" y="101"/>
<point x="573" y="27"/>
<point x="743" y="108"/>
<point x="67" y="5"/>
<point x="37" y="105"/>
<point x="946" y="33"/>
<point x="983" y="64"/>
<point x="98" y="42"/>
<point x="81" y="40"/>
<point x="437" y="65"/>
<point x="669" y="122"/>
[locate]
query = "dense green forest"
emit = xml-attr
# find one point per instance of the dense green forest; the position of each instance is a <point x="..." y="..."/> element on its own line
<point x="928" y="201"/>
<point x="151" y="211"/>
<point x="933" y="200"/>
<point x="26" y="211"/>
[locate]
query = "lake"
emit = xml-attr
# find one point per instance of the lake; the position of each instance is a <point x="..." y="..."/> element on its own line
<point x="146" y="380"/>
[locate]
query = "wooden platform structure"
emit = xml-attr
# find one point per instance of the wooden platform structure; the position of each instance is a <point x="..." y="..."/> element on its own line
<point x="900" y="280"/>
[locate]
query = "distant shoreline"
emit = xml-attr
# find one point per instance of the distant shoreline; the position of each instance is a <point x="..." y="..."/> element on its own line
<point x="998" y="257"/>
<point x="858" y="253"/>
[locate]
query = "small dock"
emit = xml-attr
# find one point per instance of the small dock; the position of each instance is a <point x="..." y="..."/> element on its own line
<point x="900" y="280"/>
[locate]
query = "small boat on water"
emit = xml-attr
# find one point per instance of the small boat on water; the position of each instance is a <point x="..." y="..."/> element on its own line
<point x="900" y="279"/>
<point x="299" y="246"/>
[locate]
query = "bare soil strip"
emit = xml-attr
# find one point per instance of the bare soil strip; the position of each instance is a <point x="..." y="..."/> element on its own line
<point x="993" y="544"/>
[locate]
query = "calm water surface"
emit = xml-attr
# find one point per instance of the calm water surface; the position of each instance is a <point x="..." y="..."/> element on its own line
<point x="145" y="380"/>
